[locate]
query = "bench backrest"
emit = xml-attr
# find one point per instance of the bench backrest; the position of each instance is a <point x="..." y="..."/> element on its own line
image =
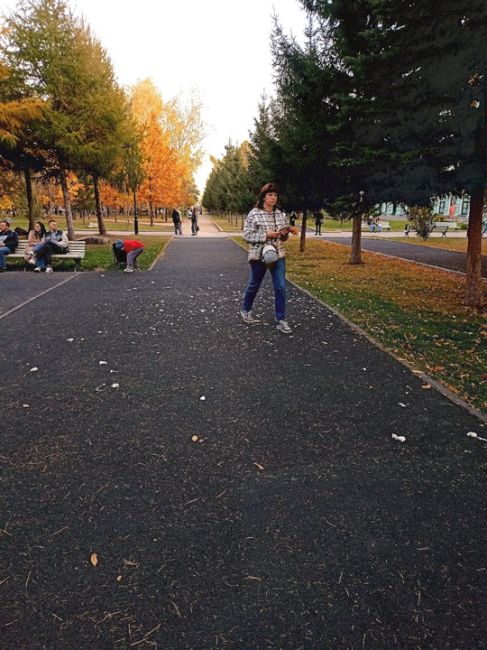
<point x="78" y="247"/>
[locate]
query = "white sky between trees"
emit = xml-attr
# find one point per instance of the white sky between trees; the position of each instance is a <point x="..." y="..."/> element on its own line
<point x="218" y="48"/>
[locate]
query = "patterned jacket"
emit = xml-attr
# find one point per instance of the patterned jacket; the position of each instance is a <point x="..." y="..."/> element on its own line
<point x="257" y="223"/>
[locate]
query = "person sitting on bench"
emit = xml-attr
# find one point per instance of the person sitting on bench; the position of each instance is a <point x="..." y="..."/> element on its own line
<point x="55" y="242"/>
<point x="9" y="241"/>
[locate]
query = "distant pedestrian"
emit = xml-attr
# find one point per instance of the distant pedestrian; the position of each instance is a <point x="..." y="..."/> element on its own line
<point x="265" y="230"/>
<point x="9" y="240"/>
<point x="194" y="222"/>
<point x="293" y="218"/>
<point x="133" y="248"/>
<point x="178" y="226"/>
<point x="318" y="221"/>
<point x="55" y="241"/>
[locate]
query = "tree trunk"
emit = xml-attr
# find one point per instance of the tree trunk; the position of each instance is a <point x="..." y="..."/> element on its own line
<point x="302" y="239"/>
<point x="30" y="200"/>
<point x="67" y="202"/>
<point x="99" y="215"/>
<point x="473" y="288"/>
<point x="151" y="213"/>
<point x="356" y="254"/>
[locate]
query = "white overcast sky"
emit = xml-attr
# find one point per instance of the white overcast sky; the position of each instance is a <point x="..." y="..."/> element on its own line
<point x="220" y="48"/>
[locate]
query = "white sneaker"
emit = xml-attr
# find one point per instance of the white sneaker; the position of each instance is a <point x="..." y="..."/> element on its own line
<point x="248" y="318"/>
<point x="37" y="269"/>
<point x="129" y="269"/>
<point x="284" y="327"/>
<point x="48" y="269"/>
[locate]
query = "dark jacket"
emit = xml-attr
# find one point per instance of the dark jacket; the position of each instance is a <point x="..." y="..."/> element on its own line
<point x="176" y="217"/>
<point x="10" y="239"/>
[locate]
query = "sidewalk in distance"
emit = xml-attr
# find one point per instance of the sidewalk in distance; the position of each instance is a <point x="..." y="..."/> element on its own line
<point x="294" y="519"/>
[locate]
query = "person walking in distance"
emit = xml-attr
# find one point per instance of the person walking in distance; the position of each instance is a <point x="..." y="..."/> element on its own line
<point x="318" y="221"/>
<point x="194" y="222"/>
<point x="266" y="229"/>
<point x="176" y="218"/>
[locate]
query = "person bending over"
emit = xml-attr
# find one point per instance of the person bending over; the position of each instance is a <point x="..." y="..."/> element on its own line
<point x="133" y="248"/>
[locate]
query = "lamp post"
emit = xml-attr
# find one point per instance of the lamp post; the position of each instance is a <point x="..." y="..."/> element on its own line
<point x="136" y="214"/>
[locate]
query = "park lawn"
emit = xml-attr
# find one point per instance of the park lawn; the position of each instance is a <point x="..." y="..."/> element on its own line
<point x="414" y="311"/>
<point x="99" y="257"/>
<point x="458" y="244"/>
<point x="346" y="226"/>
<point x="235" y="225"/>
<point x="328" y="225"/>
<point x="111" y="224"/>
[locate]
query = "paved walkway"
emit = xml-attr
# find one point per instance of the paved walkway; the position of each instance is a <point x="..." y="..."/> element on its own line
<point x="294" y="520"/>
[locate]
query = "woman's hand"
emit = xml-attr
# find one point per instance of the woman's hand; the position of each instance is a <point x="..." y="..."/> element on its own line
<point x="272" y="234"/>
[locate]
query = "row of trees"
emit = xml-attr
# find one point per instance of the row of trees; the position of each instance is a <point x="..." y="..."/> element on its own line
<point x="63" y="116"/>
<point x="386" y="101"/>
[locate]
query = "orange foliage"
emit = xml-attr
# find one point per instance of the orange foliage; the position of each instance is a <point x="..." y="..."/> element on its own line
<point x="168" y="163"/>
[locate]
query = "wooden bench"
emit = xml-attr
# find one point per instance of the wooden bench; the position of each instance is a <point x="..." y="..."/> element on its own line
<point x="440" y="226"/>
<point x="384" y="225"/>
<point x="76" y="252"/>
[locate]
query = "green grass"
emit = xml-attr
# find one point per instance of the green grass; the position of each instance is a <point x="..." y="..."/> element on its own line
<point x="111" y="225"/>
<point x="99" y="257"/>
<point x="232" y="225"/>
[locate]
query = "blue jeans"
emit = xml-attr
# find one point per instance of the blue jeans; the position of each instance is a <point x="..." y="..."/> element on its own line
<point x="4" y="250"/>
<point x="42" y="254"/>
<point x="257" y="272"/>
<point x="131" y="257"/>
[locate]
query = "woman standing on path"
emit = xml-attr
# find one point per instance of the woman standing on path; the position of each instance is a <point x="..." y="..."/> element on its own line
<point x="264" y="225"/>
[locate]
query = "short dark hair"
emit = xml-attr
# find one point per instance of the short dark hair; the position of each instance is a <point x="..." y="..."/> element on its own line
<point x="5" y="221"/>
<point x="266" y="189"/>
<point x="52" y="221"/>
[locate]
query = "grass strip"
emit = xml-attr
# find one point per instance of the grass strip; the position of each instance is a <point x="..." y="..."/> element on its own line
<point x="99" y="256"/>
<point x="457" y="244"/>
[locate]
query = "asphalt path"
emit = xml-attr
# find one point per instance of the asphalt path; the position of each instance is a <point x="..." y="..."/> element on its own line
<point x="450" y="260"/>
<point x="294" y="520"/>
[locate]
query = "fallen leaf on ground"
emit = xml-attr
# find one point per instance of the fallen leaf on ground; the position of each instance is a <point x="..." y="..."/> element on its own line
<point x="194" y="438"/>
<point x="259" y="466"/>
<point x="94" y="559"/>
<point x="426" y="386"/>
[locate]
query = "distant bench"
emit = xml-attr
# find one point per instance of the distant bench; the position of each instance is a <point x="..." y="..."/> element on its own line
<point x="437" y="226"/>
<point x="76" y="252"/>
<point x="384" y="225"/>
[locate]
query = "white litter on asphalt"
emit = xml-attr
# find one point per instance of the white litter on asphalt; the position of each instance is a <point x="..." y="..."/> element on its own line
<point x="69" y="340"/>
<point x="115" y="385"/>
<point x="404" y="406"/>
<point x="472" y="434"/>
<point x="103" y="363"/>
<point x="398" y="438"/>
<point x="34" y="369"/>
<point x="202" y="398"/>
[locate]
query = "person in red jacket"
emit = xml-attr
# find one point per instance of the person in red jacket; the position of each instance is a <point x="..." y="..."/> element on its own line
<point x="133" y="248"/>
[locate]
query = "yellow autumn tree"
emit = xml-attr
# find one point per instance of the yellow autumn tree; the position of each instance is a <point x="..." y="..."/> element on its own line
<point x="170" y="141"/>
